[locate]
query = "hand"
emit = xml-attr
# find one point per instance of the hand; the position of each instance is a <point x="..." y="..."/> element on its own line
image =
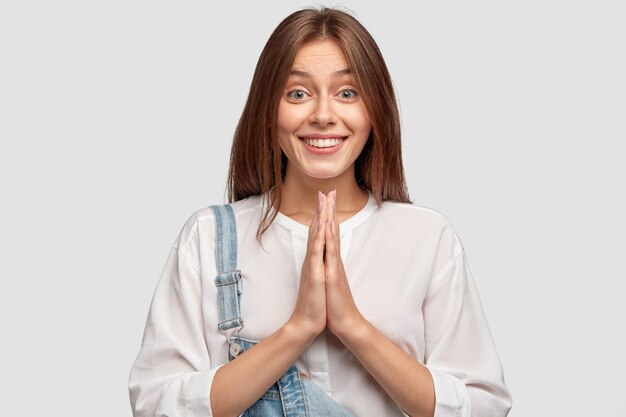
<point x="342" y="313"/>
<point x="310" y="310"/>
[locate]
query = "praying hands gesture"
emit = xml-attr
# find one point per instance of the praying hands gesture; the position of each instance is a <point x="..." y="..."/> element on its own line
<point x="324" y="298"/>
<point x="325" y="301"/>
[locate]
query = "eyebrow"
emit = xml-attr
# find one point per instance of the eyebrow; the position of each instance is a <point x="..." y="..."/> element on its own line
<point x="304" y="74"/>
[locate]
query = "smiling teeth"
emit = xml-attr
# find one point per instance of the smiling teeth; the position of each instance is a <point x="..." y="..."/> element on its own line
<point x="323" y="143"/>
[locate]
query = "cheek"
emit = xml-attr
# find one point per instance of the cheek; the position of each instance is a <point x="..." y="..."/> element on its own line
<point x="286" y="125"/>
<point x="285" y="144"/>
<point x="358" y="119"/>
<point x="289" y="117"/>
<point x="282" y="118"/>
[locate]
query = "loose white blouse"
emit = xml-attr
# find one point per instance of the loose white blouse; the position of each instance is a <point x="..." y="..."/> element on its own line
<point x="409" y="277"/>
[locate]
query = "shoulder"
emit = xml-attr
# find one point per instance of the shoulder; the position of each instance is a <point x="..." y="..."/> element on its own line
<point x="412" y="212"/>
<point x="201" y="222"/>
<point x="421" y="222"/>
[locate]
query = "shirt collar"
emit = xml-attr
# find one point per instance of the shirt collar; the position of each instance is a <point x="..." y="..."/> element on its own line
<point x="349" y="224"/>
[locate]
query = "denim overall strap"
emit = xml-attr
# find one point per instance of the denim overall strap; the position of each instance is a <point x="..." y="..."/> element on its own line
<point x="292" y="394"/>
<point x="228" y="279"/>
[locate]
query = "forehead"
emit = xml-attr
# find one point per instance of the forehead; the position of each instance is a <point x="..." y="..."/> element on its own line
<point x="324" y="57"/>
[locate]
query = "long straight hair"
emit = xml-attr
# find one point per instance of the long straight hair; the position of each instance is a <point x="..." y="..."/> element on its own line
<point x="257" y="163"/>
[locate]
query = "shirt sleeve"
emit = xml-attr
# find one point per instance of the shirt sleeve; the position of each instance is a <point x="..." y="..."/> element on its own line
<point x="172" y="373"/>
<point x="459" y="350"/>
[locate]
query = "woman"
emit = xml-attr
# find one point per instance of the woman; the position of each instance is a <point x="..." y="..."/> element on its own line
<point x="366" y="295"/>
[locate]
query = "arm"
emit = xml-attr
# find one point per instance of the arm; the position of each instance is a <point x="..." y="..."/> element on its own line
<point x="459" y="349"/>
<point x="462" y="375"/>
<point x="408" y="383"/>
<point x="270" y="358"/>
<point x="173" y="374"/>
<point x="173" y="370"/>
<point x="266" y="362"/>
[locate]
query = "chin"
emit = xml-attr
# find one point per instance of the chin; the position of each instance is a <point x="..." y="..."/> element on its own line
<point x="323" y="174"/>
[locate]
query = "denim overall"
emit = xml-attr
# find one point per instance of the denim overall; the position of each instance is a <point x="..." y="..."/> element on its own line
<point x="294" y="394"/>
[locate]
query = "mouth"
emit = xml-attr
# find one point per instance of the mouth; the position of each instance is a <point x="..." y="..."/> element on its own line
<point x="323" y="143"/>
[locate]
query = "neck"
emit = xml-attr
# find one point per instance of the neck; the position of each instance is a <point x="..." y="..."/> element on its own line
<point x="299" y="193"/>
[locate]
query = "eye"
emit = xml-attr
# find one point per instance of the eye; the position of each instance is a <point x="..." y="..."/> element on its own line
<point x="350" y="93"/>
<point x="296" y="94"/>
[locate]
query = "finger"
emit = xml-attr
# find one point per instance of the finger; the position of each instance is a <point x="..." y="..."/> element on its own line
<point x="330" y="252"/>
<point x="330" y="235"/>
<point x="334" y="222"/>
<point x="313" y="227"/>
<point x="320" y="236"/>
<point x="332" y="218"/>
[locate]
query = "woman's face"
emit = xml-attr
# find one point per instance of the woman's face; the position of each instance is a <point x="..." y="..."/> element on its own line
<point x="320" y="99"/>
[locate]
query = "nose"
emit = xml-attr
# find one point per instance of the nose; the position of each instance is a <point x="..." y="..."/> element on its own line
<point x="323" y="112"/>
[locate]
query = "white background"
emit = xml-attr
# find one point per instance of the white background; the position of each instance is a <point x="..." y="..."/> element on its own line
<point x="116" y="119"/>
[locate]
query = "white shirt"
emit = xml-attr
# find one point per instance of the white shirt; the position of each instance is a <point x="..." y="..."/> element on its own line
<point x="409" y="278"/>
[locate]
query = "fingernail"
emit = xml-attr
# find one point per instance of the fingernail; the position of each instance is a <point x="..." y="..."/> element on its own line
<point x="319" y="200"/>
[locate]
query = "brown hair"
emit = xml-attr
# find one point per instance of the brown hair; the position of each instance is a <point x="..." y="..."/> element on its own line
<point x="257" y="162"/>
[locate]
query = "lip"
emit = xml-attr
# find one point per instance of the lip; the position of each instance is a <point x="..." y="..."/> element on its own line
<point x="327" y="136"/>
<point x="323" y="151"/>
